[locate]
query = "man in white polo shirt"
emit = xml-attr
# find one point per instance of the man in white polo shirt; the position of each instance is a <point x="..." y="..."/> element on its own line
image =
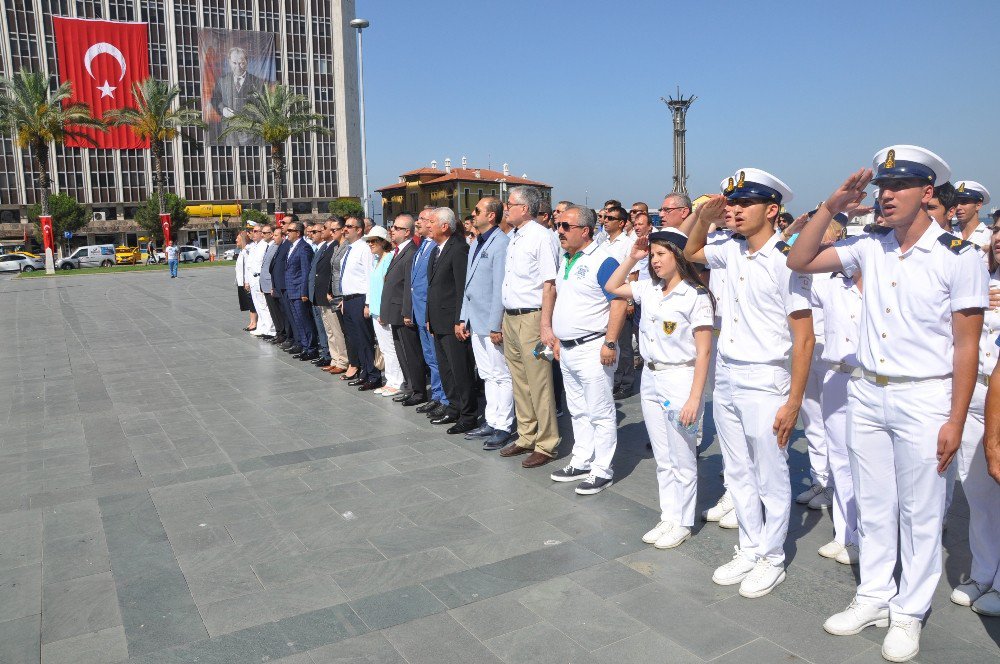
<point x="528" y="295"/>
<point x="586" y="322"/>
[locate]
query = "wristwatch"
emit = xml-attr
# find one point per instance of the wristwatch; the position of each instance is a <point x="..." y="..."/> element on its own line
<point x="610" y="344"/>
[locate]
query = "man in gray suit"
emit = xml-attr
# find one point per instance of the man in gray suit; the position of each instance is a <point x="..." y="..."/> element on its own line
<point x="482" y="316"/>
<point x="322" y="237"/>
<point x="232" y="91"/>
<point x="267" y="285"/>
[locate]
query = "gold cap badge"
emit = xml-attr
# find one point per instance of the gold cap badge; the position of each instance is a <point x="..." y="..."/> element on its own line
<point x="743" y="177"/>
<point x="890" y="159"/>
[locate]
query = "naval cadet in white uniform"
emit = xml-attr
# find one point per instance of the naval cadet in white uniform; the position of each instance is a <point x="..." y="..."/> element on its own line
<point x="922" y="315"/>
<point x="972" y="196"/>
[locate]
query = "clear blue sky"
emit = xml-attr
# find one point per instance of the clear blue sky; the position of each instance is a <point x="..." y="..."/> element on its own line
<point x="568" y="91"/>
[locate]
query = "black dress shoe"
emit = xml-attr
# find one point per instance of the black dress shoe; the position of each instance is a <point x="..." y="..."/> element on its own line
<point x="309" y="356"/>
<point x="438" y="412"/>
<point x="373" y="385"/>
<point x="288" y="343"/>
<point x="401" y="397"/>
<point x="294" y="350"/>
<point x="415" y="400"/>
<point x="484" y="431"/>
<point x="447" y="418"/>
<point x="266" y="337"/>
<point x="298" y="355"/>
<point x="428" y="407"/>
<point x="461" y="428"/>
<point x="356" y="382"/>
<point x="622" y="394"/>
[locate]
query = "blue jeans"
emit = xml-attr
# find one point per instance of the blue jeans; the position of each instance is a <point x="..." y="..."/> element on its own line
<point x="173" y="267"/>
<point x="427" y="345"/>
<point x="321" y="337"/>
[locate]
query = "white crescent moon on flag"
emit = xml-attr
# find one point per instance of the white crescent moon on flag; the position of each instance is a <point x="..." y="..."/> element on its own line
<point x="107" y="49"/>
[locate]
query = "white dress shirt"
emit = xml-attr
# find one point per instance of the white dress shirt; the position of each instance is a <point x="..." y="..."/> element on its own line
<point x="620" y="247"/>
<point x="988" y="350"/>
<point x="356" y="268"/>
<point x="532" y="259"/>
<point x="840" y="300"/>
<point x="668" y="322"/>
<point x="909" y="298"/>
<point x="582" y="305"/>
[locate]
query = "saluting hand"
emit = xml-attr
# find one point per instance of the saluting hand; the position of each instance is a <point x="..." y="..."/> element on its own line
<point x="849" y="194"/>
<point x="784" y="423"/>
<point x="640" y="248"/>
<point x="713" y="210"/>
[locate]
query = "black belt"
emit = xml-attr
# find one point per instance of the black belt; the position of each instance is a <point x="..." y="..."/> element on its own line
<point x="521" y="312"/>
<point x="352" y="296"/>
<point x="570" y="343"/>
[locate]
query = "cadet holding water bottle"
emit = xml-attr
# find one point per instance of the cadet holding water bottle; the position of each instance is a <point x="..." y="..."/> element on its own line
<point x="675" y="340"/>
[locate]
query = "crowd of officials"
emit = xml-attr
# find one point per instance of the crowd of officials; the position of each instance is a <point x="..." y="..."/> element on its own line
<point x="882" y="344"/>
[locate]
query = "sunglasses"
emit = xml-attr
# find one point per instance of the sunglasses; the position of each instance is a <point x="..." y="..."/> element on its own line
<point x="564" y="226"/>
<point x="400" y="228"/>
<point x="671" y="209"/>
<point x="351" y="226"/>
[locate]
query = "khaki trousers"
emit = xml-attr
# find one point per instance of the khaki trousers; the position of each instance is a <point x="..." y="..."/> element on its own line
<point x="335" y="337"/>
<point x="534" y="400"/>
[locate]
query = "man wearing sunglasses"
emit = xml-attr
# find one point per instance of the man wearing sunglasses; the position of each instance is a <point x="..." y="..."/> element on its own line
<point x="355" y="275"/>
<point x="297" y="265"/>
<point x="619" y="244"/>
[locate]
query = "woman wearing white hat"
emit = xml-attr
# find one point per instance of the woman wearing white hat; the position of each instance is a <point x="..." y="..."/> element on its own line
<point x="378" y="242"/>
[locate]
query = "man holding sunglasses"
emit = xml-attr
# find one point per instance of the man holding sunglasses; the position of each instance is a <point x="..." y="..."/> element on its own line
<point x="355" y="274"/>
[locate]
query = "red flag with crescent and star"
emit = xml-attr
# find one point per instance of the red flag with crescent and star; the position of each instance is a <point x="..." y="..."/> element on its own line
<point x="102" y="60"/>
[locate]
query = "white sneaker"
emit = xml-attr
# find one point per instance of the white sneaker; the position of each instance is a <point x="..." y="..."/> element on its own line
<point x="721" y="508"/>
<point x="378" y="391"/>
<point x="988" y="604"/>
<point x="830" y="549"/>
<point x="968" y="592"/>
<point x="389" y="391"/>
<point x="734" y="571"/>
<point x="902" y="643"/>
<point x="763" y="579"/>
<point x="849" y="555"/>
<point x="661" y="528"/>
<point x="673" y="537"/>
<point x="855" y="618"/>
<point x="807" y="495"/>
<point x="729" y="521"/>
<point x="822" y="500"/>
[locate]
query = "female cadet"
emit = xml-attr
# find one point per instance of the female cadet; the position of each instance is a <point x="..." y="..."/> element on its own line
<point x="675" y="339"/>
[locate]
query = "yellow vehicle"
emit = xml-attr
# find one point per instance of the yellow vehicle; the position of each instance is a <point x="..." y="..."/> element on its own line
<point x="214" y="210"/>
<point x="127" y="255"/>
<point x="27" y="254"/>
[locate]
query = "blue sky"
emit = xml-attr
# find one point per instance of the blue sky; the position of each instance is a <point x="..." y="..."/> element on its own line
<point x="568" y="91"/>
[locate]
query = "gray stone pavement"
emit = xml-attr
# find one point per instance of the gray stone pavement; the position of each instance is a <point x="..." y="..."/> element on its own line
<point x="174" y="490"/>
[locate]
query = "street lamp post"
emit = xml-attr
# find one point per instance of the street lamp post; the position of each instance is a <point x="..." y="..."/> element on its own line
<point x="360" y="24"/>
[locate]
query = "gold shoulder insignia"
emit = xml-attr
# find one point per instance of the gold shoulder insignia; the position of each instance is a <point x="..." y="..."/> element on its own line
<point x="890" y="159"/>
<point x="956" y="244"/>
<point x="783" y="247"/>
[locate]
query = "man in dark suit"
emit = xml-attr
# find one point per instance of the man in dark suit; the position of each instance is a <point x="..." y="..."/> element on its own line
<point x="406" y="339"/>
<point x="297" y="265"/>
<point x="232" y="91"/>
<point x="445" y="292"/>
<point x="323" y="238"/>
<point x="278" y="280"/>
<point x="273" y="239"/>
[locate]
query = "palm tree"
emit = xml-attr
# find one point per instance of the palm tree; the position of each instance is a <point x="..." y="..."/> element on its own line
<point x="36" y="118"/>
<point x="155" y="119"/>
<point x="274" y="114"/>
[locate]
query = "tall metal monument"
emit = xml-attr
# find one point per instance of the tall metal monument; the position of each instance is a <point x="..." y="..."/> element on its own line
<point x="678" y="109"/>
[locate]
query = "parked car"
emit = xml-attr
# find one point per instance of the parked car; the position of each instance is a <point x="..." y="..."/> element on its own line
<point x="127" y="255"/>
<point x="91" y="255"/>
<point x="188" y="254"/>
<point x="20" y="263"/>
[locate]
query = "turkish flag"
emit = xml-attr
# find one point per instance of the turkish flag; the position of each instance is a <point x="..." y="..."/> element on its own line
<point x="102" y="60"/>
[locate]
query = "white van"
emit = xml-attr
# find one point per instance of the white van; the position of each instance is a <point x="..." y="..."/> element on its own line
<point x="92" y="255"/>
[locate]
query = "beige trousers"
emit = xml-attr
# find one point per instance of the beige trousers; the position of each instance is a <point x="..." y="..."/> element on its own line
<point x="335" y="337"/>
<point x="534" y="398"/>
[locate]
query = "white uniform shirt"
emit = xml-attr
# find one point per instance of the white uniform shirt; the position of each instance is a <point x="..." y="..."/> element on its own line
<point x="582" y="304"/>
<point x="840" y="300"/>
<point x="717" y="278"/>
<point x="666" y="329"/>
<point x="620" y="247"/>
<point x="980" y="236"/>
<point x="532" y="259"/>
<point x="988" y="350"/>
<point x="763" y="292"/>
<point x="356" y="269"/>
<point x="909" y="299"/>
<point x="253" y="260"/>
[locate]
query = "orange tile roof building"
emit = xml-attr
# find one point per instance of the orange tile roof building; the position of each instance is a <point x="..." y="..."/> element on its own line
<point x="457" y="188"/>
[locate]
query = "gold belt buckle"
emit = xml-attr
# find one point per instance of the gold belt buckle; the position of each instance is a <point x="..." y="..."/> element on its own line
<point x="881" y="380"/>
<point x="651" y="366"/>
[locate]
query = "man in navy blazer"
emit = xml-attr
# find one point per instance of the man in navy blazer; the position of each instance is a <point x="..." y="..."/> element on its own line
<point x="297" y="265"/>
<point x="273" y="239"/>
<point x="278" y="280"/>
<point x="482" y="318"/>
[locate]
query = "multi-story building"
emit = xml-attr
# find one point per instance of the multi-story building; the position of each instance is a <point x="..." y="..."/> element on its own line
<point x="316" y="53"/>
<point x="457" y="188"/>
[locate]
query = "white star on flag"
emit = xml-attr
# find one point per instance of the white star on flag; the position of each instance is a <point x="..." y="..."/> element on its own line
<point x="107" y="90"/>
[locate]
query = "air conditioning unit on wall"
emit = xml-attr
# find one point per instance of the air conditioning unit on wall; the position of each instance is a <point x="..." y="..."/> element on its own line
<point x="100" y="216"/>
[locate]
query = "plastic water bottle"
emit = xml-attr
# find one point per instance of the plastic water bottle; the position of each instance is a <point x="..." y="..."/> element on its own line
<point x="674" y="416"/>
<point x="542" y="352"/>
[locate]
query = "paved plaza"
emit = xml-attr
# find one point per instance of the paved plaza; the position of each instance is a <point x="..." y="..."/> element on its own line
<point x="175" y="490"/>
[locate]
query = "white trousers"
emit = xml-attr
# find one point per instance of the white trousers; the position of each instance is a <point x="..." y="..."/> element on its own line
<point x="747" y="397"/>
<point x="589" y="396"/>
<point x="812" y="422"/>
<point x="493" y="369"/>
<point x="845" y="511"/>
<point x="892" y="434"/>
<point x="393" y="372"/>
<point x="264" y="323"/>
<point x="983" y="494"/>
<point x="675" y="450"/>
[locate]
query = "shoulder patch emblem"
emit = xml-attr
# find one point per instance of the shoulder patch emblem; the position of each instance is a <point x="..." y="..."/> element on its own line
<point x="669" y="327"/>
<point x="955" y="244"/>
<point x="877" y="230"/>
<point x="783" y="248"/>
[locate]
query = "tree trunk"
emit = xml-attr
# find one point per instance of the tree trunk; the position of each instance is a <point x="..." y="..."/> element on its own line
<point x="278" y="167"/>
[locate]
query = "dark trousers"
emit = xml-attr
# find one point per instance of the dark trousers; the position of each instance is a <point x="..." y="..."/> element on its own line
<point x="411" y="358"/>
<point x="291" y="332"/>
<point x="558" y="389"/>
<point x="305" y="328"/>
<point x="456" y="365"/>
<point x="352" y="350"/>
<point x="277" y="315"/>
<point x="625" y="372"/>
<point x="360" y="331"/>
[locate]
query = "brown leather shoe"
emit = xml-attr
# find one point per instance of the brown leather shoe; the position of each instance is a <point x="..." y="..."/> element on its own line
<point x="334" y="370"/>
<point x="513" y="450"/>
<point x="535" y="460"/>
